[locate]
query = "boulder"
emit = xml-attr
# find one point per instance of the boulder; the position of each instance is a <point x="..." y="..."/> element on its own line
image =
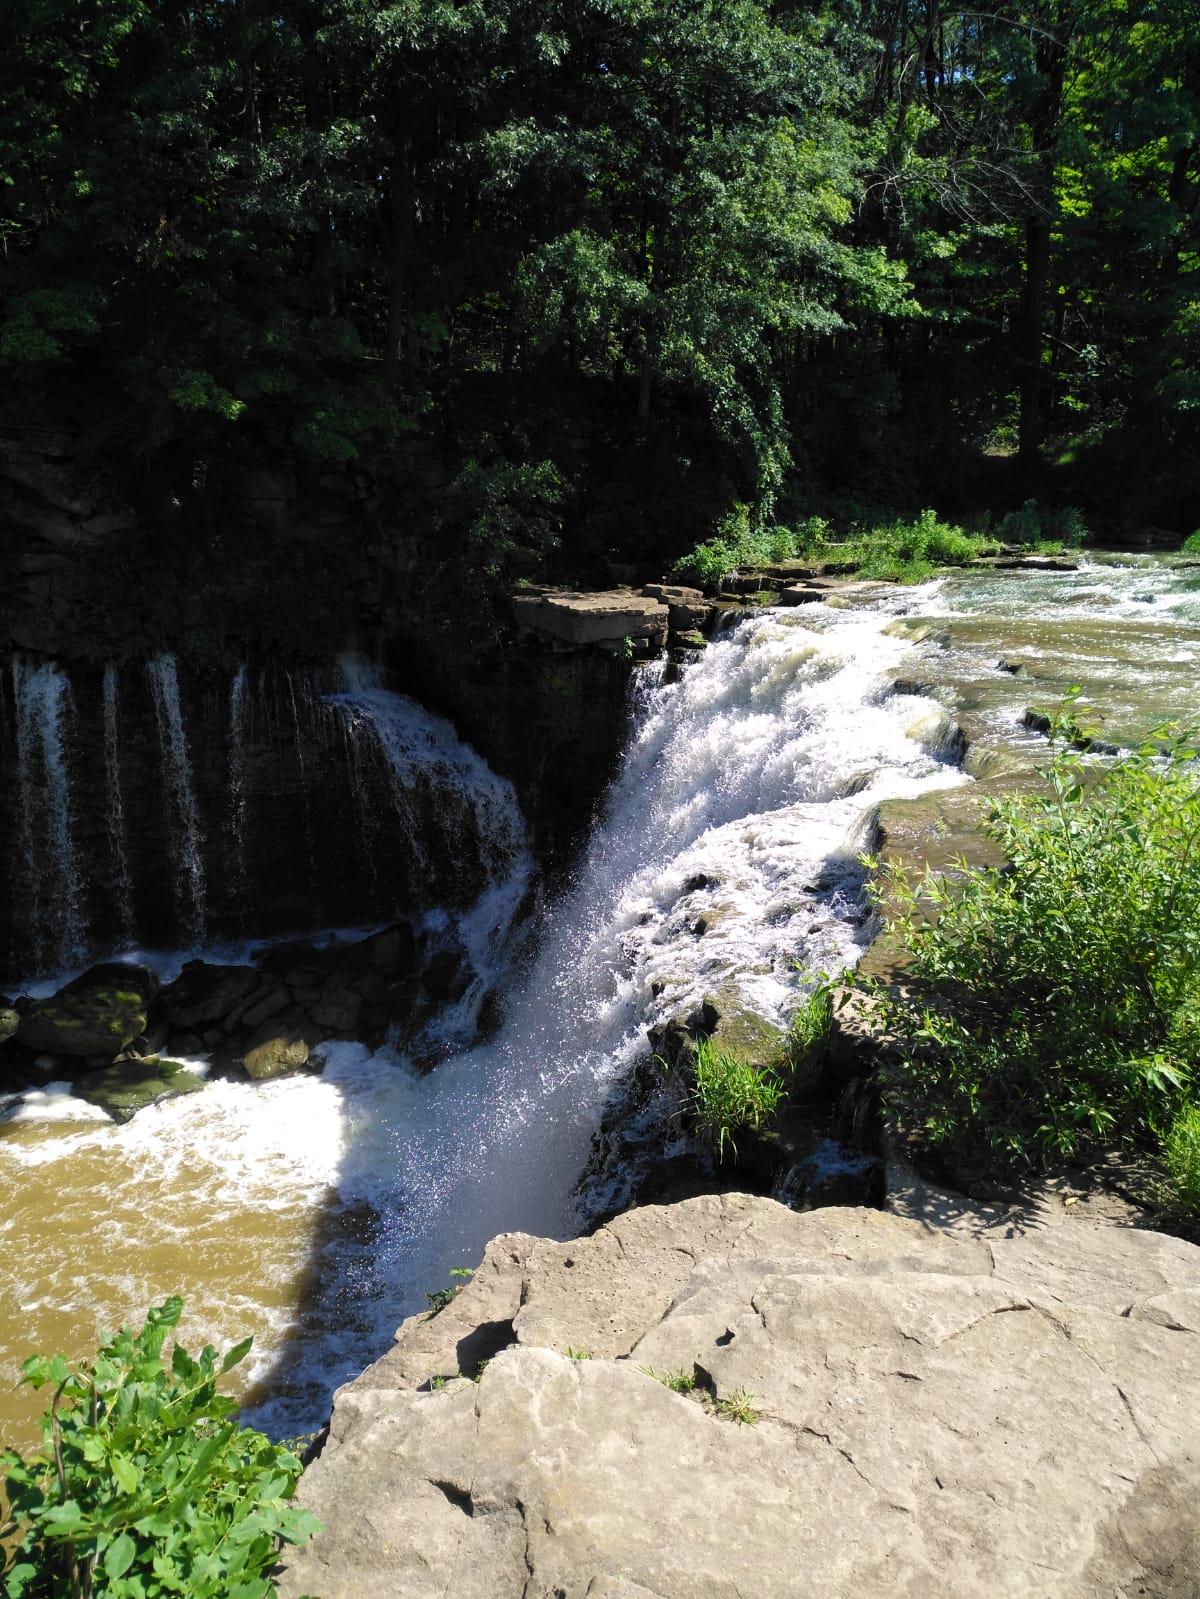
<point x="203" y="995"/>
<point x="10" y="1020"/>
<point x="129" y="1086"/>
<point x="722" y="1398"/>
<point x="282" y="1045"/>
<point x="607" y="617"/>
<point x="94" y="1017"/>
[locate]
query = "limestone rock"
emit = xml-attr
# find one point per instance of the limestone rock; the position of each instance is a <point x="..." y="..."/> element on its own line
<point x="963" y="1412"/>
<point x="94" y="1016"/>
<point x="606" y="617"/>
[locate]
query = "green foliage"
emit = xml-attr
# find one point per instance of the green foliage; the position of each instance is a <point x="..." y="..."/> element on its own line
<point x="1044" y="528"/>
<point x="737" y="543"/>
<point x="739" y="1406"/>
<point x="146" y="1485"/>
<point x="1192" y="543"/>
<point x="1181" y="1160"/>
<point x="809" y="1032"/>
<point x="577" y="1354"/>
<point x="1051" y="1007"/>
<point x="441" y="1297"/>
<point x="730" y="1093"/>
<point x="679" y="1382"/>
<point x="512" y="512"/>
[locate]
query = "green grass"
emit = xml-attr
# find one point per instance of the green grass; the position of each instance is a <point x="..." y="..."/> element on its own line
<point x="679" y="1382"/>
<point x="730" y="1093"/>
<point x="1181" y="1161"/>
<point x="808" y="1035"/>
<point x="739" y="1406"/>
<point x="1052" y="1008"/>
<point x="897" y="550"/>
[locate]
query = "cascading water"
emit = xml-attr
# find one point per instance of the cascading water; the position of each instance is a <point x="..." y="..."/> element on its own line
<point x="177" y="777"/>
<point x="53" y="886"/>
<point x="238" y="800"/>
<point x="121" y="881"/>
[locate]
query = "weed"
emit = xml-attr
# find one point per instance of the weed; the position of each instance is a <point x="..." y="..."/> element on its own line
<point x="577" y="1354"/>
<point x="730" y="1093"/>
<point x="808" y="1035"/>
<point x="480" y="1369"/>
<point x="739" y="1406"/>
<point x="441" y="1297"/>
<point x="679" y="1382"/>
<point x="1181" y="1158"/>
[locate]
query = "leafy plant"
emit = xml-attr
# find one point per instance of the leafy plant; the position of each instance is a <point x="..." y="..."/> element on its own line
<point x="1044" y="528"/>
<point x="441" y="1297"/>
<point x="739" y="1406"/>
<point x="146" y="1485"/>
<point x="1181" y="1159"/>
<point x="1052" y="1006"/>
<point x="729" y="1093"/>
<point x="1192" y="543"/>
<point x="577" y="1354"/>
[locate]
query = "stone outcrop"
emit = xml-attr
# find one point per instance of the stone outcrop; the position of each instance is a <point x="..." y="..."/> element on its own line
<point x="949" y="1411"/>
<point x="608" y="617"/>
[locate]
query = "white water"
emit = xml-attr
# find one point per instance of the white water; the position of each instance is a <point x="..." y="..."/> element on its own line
<point x="177" y="779"/>
<point x="122" y="886"/>
<point x="54" y="889"/>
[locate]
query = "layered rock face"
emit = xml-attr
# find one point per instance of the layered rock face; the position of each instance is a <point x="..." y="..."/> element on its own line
<point x="945" y="1411"/>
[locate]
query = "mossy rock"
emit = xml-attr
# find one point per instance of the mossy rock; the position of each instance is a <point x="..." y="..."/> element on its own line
<point x="734" y="1026"/>
<point x="130" y="1085"/>
<point x="97" y="1015"/>
<point x="10" y="1020"/>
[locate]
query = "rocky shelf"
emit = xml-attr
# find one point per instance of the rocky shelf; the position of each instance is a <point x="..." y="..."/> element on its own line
<point x="722" y="1398"/>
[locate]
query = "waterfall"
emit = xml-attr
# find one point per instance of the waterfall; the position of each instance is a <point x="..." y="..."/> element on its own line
<point x="739" y="809"/>
<point x="238" y="798"/>
<point x="50" y="869"/>
<point x="122" y="884"/>
<point x="177" y="779"/>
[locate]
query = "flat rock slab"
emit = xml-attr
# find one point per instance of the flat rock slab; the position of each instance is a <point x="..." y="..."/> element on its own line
<point x="605" y="617"/>
<point x="942" y="1413"/>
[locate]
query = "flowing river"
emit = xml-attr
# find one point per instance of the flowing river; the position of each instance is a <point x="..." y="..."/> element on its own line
<point x="316" y="1211"/>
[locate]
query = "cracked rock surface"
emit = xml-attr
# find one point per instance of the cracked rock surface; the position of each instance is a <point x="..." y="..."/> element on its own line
<point x="944" y="1413"/>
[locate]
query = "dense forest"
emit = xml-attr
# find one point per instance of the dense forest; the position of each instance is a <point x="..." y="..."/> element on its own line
<point x="628" y="261"/>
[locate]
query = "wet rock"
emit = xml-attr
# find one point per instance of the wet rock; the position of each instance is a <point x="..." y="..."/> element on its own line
<point x="278" y="1050"/>
<point x="1035" y="721"/>
<point x="268" y="1004"/>
<point x="9" y="1022"/>
<point x="95" y="1016"/>
<point x="959" y="1411"/>
<point x="129" y="1086"/>
<point x="338" y="1010"/>
<point x="204" y="994"/>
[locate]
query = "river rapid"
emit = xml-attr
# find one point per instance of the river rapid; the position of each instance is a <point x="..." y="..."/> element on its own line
<point x="316" y="1211"/>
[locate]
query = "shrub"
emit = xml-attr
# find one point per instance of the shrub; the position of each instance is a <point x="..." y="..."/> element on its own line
<point x="1044" y="526"/>
<point x="146" y="1485"/>
<point x="1192" y="543"/>
<point x="730" y="1093"/>
<point x="1181" y="1159"/>
<point x="1053" y="1005"/>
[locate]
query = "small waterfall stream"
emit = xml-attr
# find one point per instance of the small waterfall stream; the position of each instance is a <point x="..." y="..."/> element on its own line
<point x="177" y="778"/>
<point x="53" y="885"/>
<point x="122" y="883"/>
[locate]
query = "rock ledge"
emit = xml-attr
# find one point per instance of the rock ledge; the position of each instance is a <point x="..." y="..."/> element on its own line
<point x="947" y="1412"/>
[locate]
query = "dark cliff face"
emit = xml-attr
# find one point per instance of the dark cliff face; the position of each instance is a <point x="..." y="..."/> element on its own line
<point x="274" y="572"/>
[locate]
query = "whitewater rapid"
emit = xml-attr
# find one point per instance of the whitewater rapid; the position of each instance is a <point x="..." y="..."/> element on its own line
<point x="317" y="1211"/>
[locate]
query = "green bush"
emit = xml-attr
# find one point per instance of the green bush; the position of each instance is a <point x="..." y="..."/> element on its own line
<point x="146" y="1485"/>
<point x="1181" y="1159"/>
<point x="1044" y="527"/>
<point x="1192" y="543"/>
<point x="730" y="1093"/>
<point x="1052" y="1006"/>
